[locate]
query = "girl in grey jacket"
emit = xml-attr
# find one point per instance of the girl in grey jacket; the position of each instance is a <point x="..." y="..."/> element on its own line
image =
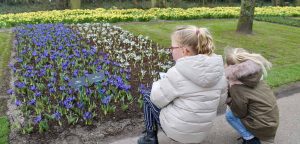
<point x="185" y="102"/>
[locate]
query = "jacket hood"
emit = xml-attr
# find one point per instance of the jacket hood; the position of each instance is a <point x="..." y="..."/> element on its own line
<point x="205" y="71"/>
<point x="248" y="72"/>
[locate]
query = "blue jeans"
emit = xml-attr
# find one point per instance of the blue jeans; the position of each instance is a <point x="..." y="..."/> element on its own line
<point x="236" y="123"/>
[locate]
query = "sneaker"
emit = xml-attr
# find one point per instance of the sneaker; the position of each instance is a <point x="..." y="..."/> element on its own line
<point x="150" y="137"/>
<point x="254" y="140"/>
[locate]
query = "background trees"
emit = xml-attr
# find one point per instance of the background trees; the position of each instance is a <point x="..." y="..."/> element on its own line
<point x="63" y="4"/>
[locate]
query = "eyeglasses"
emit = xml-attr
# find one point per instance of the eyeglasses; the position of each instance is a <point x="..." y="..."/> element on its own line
<point x="172" y="48"/>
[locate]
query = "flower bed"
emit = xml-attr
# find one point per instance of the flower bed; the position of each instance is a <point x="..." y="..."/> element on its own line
<point x="57" y="66"/>
<point x="124" y="15"/>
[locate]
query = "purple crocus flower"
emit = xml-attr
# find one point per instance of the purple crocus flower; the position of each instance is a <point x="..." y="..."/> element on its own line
<point x="106" y="73"/>
<point x="107" y="62"/>
<point x="38" y="60"/>
<point x="65" y="65"/>
<point x="19" y="60"/>
<point x="49" y="85"/>
<point x="102" y="91"/>
<point x="75" y="73"/>
<point x="127" y="70"/>
<point x="29" y="68"/>
<point x="80" y="105"/>
<point x="84" y="51"/>
<point x="53" y="57"/>
<point x="32" y="102"/>
<point x="33" y="87"/>
<point x="70" y="91"/>
<point x="10" y="91"/>
<point x="37" y="119"/>
<point x="66" y="78"/>
<point x="110" y="81"/>
<point x="128" y="87"/>
<point x="88" y="91"/>
<point x="19" y="84"/>
<point x="87" y="115"/>
<point x="70" y="56"/>
<point x="18" y="102"/>
<point x="60" y="47"/>
<point x="106" y="100"/>
<point x="62" y="88"/>
<point x="24" y="51"/>
<point x="57" y="115"/>
<point x="144" y="90"/>
<point x="52" y="79"/>
<point x="128" y="77"/>
<point x="42" y="72"/>
<point x="52" y="90"/>
<point x="73" y="63"/>
<point x="77" y="54"/>
<point x="34" y="53"/>
<point x="99" y="68"/>
<point x="45" y="53"/>
<point x="105" y="83"/>
<point x="12" y="67"/>
<point x="37" y="94"/>
<point x="68" y="103"/>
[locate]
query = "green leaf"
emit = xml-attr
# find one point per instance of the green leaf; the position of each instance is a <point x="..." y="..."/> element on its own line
<point x="124" y="107"/>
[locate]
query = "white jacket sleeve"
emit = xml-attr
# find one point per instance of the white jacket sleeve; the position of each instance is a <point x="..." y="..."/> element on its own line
<point x="157" y="96"/>
<point x="165" y="90"/>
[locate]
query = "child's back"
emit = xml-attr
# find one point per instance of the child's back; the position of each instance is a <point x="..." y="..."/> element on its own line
<point x="253" y="101"/>
<point x="254" y="112"/>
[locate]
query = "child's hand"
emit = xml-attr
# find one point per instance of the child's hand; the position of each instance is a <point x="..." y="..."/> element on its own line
<point x="228" y="100"/>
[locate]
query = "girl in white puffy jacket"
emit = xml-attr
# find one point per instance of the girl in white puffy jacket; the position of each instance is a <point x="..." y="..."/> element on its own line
<point x="185" y="103"/>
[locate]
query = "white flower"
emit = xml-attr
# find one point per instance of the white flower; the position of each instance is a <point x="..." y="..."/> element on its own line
<point x="137" y="58"/>
<point x="126" y="63"/>
<point x="143" y="72"/>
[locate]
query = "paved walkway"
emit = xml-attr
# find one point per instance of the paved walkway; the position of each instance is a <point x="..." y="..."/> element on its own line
<point x="221" y="133"/>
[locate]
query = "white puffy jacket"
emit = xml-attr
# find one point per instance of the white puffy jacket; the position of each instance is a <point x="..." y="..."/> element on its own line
<point x="189" y="97"/>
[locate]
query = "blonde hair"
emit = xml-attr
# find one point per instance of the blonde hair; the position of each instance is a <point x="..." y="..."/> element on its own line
<point x="238" y="55"/>
<point x="198" y="39"/>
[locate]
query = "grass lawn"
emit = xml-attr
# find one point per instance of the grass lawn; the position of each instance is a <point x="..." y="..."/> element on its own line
<point x="4" y="130"/>
<point x="278" y="43"/>
<point x="5" y="47"/>
<point x="296" y="18"/>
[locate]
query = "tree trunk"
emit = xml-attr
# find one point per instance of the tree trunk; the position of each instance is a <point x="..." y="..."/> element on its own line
<point x="153" y="3"/>
<point x="176" y="3"/>
<point x="159" y="3"/>
<point x="62" y="4"/>
<point x="163" y="3"/>
<point x="75" y="4"/>
<point x="277" y="2"/>
<point x="245" y="22"/>
<point x="135" y="2"/>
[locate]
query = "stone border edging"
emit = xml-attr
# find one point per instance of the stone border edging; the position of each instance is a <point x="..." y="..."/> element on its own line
<point x="287" y="90"/>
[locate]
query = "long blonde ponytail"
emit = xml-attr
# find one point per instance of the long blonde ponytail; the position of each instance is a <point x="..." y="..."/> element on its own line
<point x="198" y="39"/>
<point x="205" y="41"/>
<point x="239" y="55"/>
